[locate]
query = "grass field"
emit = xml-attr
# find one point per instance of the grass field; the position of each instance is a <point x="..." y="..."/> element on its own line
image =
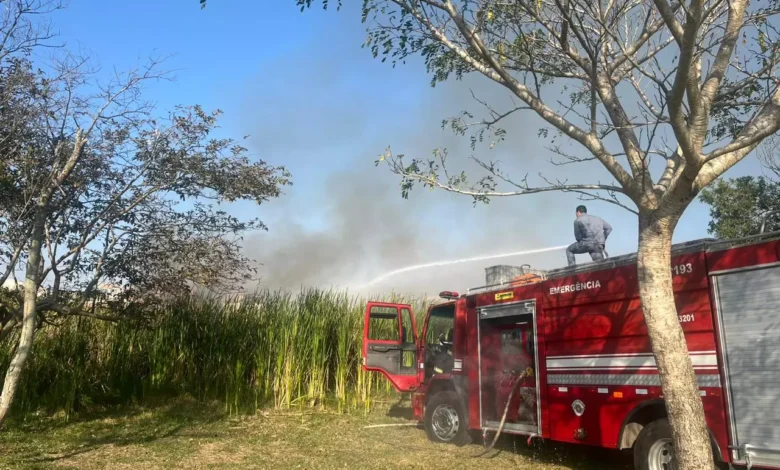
<point x="183" y="433"/>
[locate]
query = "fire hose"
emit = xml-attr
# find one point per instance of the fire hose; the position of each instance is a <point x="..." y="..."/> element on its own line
<point x="511" y="395"/>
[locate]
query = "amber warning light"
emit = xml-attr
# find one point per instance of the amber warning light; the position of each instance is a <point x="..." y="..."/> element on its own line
<point x="448" y="295"/>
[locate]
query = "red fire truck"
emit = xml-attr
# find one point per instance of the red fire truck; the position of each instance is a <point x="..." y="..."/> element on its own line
<point x="576" y="340"/>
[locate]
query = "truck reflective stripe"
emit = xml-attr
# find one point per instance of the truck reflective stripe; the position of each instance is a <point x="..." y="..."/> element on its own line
<point x="701" y="360"/>
<point x="649" y="380"/>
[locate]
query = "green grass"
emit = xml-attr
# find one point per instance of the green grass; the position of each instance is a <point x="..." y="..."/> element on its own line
<point x="185" y="433"/>
<point x="272" y="350"/>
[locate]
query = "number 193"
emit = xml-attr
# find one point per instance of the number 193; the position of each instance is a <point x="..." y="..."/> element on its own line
<point x="682" y="269"/>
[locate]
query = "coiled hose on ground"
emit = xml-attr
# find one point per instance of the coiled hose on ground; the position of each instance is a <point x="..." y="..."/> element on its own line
<point x="506" y="411"/>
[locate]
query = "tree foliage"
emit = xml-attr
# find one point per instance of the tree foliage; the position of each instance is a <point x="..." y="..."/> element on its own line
<point x="100" y="191"/>
<point x="738" y="206"/>
<point x="140" y="208"/>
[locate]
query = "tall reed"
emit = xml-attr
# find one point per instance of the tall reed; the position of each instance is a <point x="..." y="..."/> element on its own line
<point x="270" y="349"/>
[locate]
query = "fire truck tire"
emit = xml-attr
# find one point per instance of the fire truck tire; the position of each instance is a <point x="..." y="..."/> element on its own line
<point x="446" y="420"/>
<point x="653" y="449"/>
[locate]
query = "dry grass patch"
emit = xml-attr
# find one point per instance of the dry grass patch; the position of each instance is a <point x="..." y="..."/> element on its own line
<point x="183" y="434"/>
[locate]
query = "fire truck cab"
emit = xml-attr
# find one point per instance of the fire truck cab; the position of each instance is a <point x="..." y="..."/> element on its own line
<point x="564" y="355"/>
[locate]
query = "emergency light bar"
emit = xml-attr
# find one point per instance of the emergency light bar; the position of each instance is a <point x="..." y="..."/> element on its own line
<point x="449" y="295"/>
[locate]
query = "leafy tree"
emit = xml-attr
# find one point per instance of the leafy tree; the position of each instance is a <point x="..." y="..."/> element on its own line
<point x="665" y="95"/>
<point x="738" y="206"/>
<point x="96" y="189"/>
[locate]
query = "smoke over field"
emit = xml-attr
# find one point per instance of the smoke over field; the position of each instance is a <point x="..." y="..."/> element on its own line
<point x="344" y="222"/>
<point x="366" y="229"/>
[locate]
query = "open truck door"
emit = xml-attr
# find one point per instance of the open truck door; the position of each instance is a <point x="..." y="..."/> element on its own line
<point x="390" y="344"/>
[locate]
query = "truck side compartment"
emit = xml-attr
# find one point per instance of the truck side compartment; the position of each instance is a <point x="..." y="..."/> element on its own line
<point x="597" y="351"/>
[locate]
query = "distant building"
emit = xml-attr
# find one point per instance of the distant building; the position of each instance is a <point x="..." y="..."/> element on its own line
<point x="12" y="284"/>
<point x="110" y="291"/>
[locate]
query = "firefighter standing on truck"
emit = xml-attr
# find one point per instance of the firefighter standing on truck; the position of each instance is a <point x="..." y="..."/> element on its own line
<point x="591" y="233"/>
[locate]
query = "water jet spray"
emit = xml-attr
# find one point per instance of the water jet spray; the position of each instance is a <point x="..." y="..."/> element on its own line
<point x="457" y="261"/>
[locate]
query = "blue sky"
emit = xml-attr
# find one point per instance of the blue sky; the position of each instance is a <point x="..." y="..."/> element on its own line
<point x="313" y="100"/>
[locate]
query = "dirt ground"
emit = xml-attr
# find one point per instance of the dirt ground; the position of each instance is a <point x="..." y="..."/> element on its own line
<point x="184" y="434"/>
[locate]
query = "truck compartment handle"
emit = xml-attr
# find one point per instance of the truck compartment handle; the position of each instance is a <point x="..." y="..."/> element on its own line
<point x="384" y="348"/>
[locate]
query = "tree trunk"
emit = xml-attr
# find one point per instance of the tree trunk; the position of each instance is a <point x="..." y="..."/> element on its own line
<point x="681" y="392"/>
<point x="24" y="347"/>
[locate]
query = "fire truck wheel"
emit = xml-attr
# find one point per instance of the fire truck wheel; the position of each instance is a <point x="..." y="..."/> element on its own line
<point x="446" y="420"/>
<point x="653" y="448"/>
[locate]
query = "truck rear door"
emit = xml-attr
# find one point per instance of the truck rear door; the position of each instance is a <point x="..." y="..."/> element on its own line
<point x="390" y="344"/>
<point x="748" y="301"/>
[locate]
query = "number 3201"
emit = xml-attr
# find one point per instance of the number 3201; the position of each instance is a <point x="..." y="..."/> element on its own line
<point x="687" y="318"/>
<point x="682" y="269"/>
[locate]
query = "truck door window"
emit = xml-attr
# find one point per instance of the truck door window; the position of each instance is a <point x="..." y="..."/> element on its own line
<point x="383" y="324"/>
<point x="408" y="356"/>
<point x="441" y="326"/>
<point x="407" y="335"/>
<point x="441" y="322"/>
